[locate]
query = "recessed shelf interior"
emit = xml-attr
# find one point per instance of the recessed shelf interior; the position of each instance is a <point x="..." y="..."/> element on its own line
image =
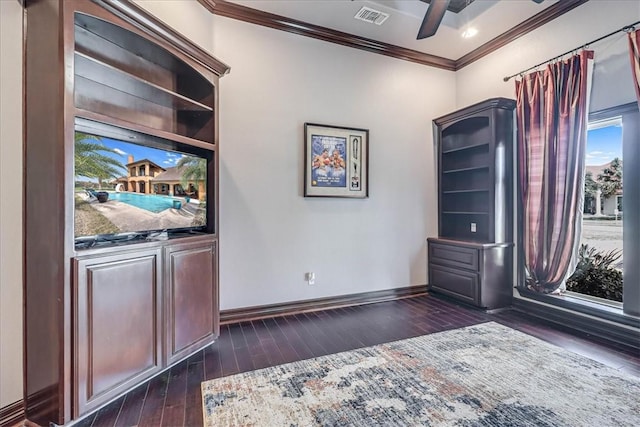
<point x="476" y="156"/>
<point x="104" y="74"/>
<point x="465" y="202"/>
<point x="474" y="179"/>
<point x="121" y="75"/>
<point x="460" y="225"/>
<point x="466" y="133"/>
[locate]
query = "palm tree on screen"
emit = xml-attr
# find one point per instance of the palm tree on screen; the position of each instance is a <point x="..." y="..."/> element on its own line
<point x="193" y="169"/>
<point x="91" y="160"/>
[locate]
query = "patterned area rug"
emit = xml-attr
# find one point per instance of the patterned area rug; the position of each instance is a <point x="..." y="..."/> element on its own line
<point x="483" y="375"/>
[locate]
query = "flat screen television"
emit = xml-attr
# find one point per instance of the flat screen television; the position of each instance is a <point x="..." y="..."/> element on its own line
<point x="129" y="185"/>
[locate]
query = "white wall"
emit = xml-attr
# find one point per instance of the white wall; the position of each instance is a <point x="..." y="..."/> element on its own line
<point x="10" y="202"/>
<point x="270" y="234"/>
<point x="188" y="17"/>
<point x="612" y="84"/>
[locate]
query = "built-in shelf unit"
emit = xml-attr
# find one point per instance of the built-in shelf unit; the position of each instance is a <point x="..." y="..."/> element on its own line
<point x="471" y="257"/>
<point x="102" y="318"/>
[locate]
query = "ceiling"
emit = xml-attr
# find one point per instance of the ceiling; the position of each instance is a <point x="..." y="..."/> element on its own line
<point x="490" y="17"/>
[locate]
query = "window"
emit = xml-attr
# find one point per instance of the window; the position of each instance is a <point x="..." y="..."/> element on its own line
<point x="613" y="134"/>
<point x="599" y="272"/>
<point x="619" y="204"/>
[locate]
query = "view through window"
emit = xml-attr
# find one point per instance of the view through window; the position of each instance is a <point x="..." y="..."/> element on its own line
<point x="600" y="268"/>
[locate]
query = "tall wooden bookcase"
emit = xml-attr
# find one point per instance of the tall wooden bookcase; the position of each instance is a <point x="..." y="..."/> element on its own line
<point x="99" y="320"/>
<point x="472" y="257"/>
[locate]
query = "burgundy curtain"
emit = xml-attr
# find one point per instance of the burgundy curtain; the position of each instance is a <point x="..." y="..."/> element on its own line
<point x="634" y="54"/>
<point x="552" y="121"/>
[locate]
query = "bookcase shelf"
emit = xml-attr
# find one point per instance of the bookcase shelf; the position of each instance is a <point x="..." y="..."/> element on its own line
<point x="472" y="190"/>
<point x="467" y="169"/>
<point x="121" y="81"/>
<point x="469" y="147"/>
<point x="475" y="147"/>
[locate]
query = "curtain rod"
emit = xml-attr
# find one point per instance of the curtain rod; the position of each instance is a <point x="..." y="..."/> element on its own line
<point x="626" y="28"/>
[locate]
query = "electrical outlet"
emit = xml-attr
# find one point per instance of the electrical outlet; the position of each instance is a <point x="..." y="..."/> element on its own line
<point x="310" y="278"/>
<point x="473" y="227"/>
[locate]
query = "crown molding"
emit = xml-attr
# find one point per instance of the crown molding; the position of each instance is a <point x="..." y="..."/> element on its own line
<point x="536" y="21"/>
<point x="132" y="12"/>
<point x="283" y="23"/>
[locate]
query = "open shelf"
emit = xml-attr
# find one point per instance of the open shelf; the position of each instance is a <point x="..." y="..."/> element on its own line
<point x="478" y="190"/>
<point x="478" y="155"/>
<point x="92" y="95"/>
<point x="467" y="169"/>
<point x="465" y="202"/>
<point x="458" y="226"/>
<point x="472" y="180"/>
<point x="135" y="55"/>
<point x="169" y="136"/>
<point x="464" y="213"/>
<point x="468" y="147"/>
<point x="93" y="69"/>
<point x="466" y="133"/>
<point x="468" y="192"/>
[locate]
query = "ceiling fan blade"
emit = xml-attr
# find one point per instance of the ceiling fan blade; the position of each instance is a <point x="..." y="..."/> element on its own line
<point x="432" y="18"/>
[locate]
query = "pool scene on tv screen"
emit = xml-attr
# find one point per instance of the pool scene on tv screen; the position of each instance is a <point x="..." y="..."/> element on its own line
<point x="122" y="188"/>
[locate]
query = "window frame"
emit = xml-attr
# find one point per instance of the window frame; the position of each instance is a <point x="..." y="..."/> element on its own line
<point x="629" y="311"/>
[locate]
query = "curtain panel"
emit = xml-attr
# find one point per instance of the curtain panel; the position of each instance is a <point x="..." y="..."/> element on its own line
<point x="551" y="115"/>
<point x="634" y="54"/>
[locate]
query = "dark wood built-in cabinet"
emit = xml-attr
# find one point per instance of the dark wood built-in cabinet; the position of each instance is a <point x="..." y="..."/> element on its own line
<point x="103" y="317"/>
<point x="118" y="313"/>
<point x="191" y="297"/>
<point x="472" y="257"/>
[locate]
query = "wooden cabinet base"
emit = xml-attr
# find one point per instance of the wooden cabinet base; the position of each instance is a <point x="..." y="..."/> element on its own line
<point x="138" y="311"/>
<point x="475" y="273"/>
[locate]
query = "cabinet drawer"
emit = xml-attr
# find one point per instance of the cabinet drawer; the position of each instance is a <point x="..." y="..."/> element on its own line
<point x="454" y="256"/>
<point x="456" y="283"/>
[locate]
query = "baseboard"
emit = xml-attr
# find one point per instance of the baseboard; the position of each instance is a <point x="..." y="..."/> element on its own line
<point x="294" y="307"/>
<point x="606" y="330"/>
<point x="12" y="414"/>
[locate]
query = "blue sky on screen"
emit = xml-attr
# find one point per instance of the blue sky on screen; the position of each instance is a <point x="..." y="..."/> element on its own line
<point x="165" y="159"/>
<point x="604" y="144"/>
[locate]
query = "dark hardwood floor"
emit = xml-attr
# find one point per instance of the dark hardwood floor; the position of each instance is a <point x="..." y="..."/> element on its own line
<point x="174" y="398"/>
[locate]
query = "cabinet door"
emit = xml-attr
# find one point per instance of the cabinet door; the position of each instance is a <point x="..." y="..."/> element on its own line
<point x="192" y="298"/>
<point x="457" y="283"/>
<point x="117" y="325"/>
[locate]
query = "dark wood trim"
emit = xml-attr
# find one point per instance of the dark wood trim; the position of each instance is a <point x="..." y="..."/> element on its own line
<point x="618" y="110"/>
<point x="618" y="333"/>
<point x="283" y="23"/>
<point x="42" y="405"/>
<point x="591" y="309"/>
<point x="140" y="17"/>
<point x="12" y="414"/>
<point x="244" y="314"/>
<point x="536" y="21"/>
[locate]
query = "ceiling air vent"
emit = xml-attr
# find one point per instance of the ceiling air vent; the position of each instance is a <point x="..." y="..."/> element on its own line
<point x="371" y="15"/>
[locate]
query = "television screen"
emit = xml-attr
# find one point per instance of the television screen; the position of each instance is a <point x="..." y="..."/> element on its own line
<point x="125" y="189"/>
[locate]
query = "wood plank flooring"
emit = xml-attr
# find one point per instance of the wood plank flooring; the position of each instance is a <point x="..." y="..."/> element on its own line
<point x="174" y="399"/>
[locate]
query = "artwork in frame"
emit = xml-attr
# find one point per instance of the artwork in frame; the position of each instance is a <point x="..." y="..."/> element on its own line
<point x="336" y="161"/>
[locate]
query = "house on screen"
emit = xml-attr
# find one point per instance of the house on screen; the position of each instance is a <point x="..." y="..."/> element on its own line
<point x="145" y="176"/>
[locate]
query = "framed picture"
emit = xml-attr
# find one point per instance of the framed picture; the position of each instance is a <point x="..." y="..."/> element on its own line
<point x="336" y="161"/>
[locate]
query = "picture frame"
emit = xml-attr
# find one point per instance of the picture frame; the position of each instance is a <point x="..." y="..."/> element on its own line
<point x="336" y="161"/>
